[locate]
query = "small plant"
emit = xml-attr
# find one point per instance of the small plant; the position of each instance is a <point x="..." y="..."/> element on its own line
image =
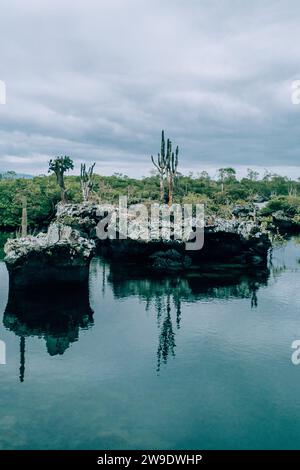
<point x="68" y="220"/>
<point x="278" y="239"/>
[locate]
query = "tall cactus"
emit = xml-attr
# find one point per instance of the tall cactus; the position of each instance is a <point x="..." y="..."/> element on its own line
<point x="167" y="162"/>
<point x="161" y="166"/>
<point x="172" y="164"/>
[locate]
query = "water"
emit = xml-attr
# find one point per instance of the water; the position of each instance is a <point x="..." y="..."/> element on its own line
<point x="154" y="363"/>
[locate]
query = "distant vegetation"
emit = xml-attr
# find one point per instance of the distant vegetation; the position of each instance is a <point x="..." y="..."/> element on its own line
<point x="13" y="175"/>
<point x="218" y="194"/>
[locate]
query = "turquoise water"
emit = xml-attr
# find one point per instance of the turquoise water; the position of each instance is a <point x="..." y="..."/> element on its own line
<point x="154" y="363"/>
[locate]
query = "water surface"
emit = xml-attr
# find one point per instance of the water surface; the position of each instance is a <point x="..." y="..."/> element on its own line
<point x="155" y="363"/>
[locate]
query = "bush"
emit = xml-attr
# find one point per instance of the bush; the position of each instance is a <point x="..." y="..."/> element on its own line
<point x="289" y="205"/>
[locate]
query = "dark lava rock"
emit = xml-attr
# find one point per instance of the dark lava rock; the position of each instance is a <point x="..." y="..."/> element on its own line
<point x="284" y="223"/>
<point x="170" y="260"/>
<point x="243" y="211"/>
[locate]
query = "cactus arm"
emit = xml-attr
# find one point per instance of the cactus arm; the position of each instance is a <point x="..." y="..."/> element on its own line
<point x="154" y="163"/>
<point x="162" y="150"/>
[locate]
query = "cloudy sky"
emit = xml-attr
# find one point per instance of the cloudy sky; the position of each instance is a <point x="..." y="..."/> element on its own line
<point x="98" y="80"/>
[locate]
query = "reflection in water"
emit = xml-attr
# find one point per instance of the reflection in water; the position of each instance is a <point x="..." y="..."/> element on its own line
<point x="223" y="385"/>
<point x="58" y="316"/>
<point x="22" y="358"/>
<point x="166" y="294"/>
<point x="55" y="315"/>
<point x="166" y="343"/>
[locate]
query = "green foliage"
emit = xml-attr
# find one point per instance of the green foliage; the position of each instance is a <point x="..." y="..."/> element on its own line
<point x="194" y="198"/>
<point x="59" y="166"/>
<point x="289" y="205"/>
<point x="227" y="174"/>
<point x="3" y="239"/>
<point x="43" y="194"/>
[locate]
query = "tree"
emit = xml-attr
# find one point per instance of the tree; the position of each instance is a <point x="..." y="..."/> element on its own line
<point x="267" y="175"/>
<point x="59" y="166"/>
<point x="86" y="180"/>
<point x="226" y="175"/>
<point x="204" y="175"/>
<point x="252" y="175"/>
<point x="10" y="174"/>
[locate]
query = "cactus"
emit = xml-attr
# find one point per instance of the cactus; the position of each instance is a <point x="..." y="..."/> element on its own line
<point x="172" y="164"/>
<point x="86" y="180"/>
<point x="59" y="166"/>
<point x="161" y="166"/>
<point x="166" y="165"/>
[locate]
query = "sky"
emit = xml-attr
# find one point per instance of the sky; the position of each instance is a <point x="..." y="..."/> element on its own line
<point x="99" y="80"/>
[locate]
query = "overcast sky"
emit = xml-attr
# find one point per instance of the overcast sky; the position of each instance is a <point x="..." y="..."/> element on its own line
<point x="98" y="80"/>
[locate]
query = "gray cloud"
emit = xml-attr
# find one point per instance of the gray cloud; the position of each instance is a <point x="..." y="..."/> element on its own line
<point x="98" y="80"/>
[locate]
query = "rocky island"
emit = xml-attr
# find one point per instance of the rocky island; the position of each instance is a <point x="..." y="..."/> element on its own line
<point x="63" y="254"/>
<point x="60" y="256"/>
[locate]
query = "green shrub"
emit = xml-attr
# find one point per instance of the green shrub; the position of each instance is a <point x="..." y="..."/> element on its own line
<point x="289" y="205"/>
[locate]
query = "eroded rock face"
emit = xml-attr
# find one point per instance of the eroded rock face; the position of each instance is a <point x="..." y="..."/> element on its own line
<point x="169" y="261"/>
<point x="83" y="217"/>
<point x="63" y="254"/>
<point x="60" y="255"/>
<point x="58" y="235"/>
<point x="285" y="224"/>
<point x="235" y="241"/>
<point x="88" y="215"/>
<point x="245" y="228"/>
<point x="247" y="210"/>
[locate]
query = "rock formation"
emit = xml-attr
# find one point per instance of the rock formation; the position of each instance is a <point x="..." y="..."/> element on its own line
<point x="61" y="255"/>
<point x="225" y="241"/>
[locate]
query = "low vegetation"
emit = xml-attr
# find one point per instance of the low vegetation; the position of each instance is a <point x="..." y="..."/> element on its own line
<point x="166" y="184"/>
<point x="218" y="195"/>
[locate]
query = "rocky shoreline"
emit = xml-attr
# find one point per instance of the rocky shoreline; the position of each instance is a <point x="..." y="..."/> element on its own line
<point x="63" y="254"/>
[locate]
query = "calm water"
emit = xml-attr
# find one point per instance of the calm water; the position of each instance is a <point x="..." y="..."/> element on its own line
<point x="154" y="363"/>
